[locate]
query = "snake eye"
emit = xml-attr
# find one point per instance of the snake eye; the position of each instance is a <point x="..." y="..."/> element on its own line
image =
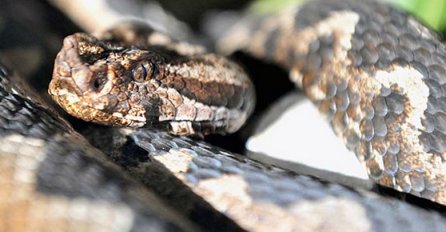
<point x="142" y="72"/>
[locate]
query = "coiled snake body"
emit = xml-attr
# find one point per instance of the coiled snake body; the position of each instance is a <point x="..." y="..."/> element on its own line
<point x="52" y="178"/>
<point x="376" y="74"/>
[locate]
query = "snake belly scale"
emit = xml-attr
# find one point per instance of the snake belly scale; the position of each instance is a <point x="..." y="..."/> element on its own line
<point x="376" y="73"/>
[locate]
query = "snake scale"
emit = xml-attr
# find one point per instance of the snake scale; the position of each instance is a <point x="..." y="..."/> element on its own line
<point x="55" y="179"/>
<point x="376" y="73"/>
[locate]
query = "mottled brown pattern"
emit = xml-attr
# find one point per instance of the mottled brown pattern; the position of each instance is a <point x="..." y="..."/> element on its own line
<point x="355" y="62"/>
<point x="114" y="83"/>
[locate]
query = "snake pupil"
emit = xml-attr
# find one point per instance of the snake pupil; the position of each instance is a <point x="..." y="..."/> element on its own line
<point x="144" y="72"/>
<point x="140" y="73"/>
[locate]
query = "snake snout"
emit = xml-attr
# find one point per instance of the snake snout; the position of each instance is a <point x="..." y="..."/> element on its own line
<point x="80" y="65"/>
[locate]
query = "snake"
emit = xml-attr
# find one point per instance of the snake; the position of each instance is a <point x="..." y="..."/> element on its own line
<point x="135" y="76"/>
<point x="376" y="74"/>
<point x="134" y="83"/>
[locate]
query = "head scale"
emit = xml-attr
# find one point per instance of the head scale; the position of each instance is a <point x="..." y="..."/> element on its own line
<point x="105" y="82"/>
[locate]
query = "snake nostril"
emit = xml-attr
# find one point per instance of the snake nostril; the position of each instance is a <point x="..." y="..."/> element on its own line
<point x="98" y="83"/>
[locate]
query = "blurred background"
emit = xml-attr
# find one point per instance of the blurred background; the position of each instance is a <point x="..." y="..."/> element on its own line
<point x="432" y="12"/>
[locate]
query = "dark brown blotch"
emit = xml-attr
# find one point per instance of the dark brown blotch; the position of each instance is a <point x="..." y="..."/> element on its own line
<point x="209" y="93"/>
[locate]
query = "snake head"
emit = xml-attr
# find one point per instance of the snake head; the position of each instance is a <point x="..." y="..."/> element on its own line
<point x="113" y="82"/>
<point x="104" y="82"/>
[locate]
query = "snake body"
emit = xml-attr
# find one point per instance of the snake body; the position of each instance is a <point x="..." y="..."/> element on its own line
<point x="53" y="179"/>
<point x="378" y="76"/>
<point x="376" y="73"/>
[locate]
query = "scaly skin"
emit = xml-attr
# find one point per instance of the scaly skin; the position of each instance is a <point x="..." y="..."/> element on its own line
<point x="377" y="74"/>
<point x="53" y="179"/>
<point x="148" y="85"/>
